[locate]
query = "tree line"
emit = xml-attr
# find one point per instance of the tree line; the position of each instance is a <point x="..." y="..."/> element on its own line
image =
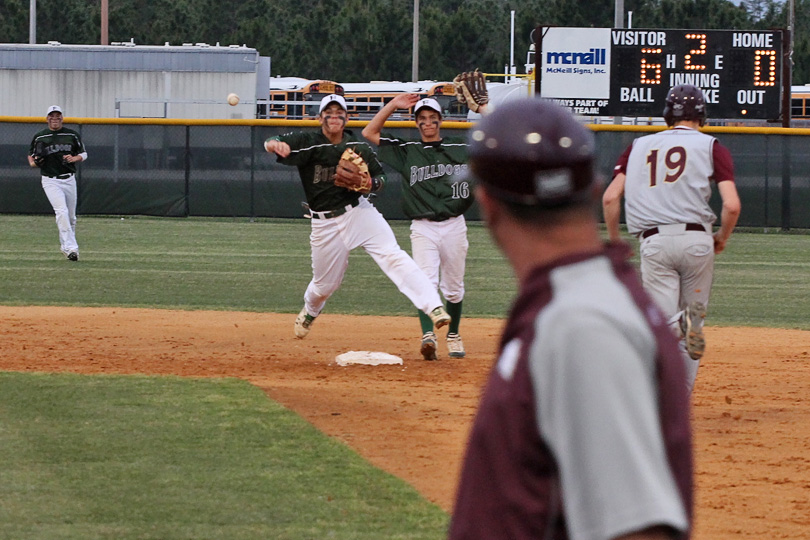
<point x="363" y="40"/>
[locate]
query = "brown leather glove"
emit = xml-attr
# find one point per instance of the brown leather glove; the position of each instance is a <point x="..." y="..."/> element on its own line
<point x="352" y="172"/>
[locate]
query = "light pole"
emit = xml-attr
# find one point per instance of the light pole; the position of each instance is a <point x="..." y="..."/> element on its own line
<point x="787" y="65"/>
<point x="618" y="14"/>
<point x="105" y="22"/>
<point x="32" y="23"/>
<point x="415" y="63"/>
<point x="792" y="30"/>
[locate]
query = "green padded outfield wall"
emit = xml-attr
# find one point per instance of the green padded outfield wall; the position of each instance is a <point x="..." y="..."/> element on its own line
<point x="219" y="168"/>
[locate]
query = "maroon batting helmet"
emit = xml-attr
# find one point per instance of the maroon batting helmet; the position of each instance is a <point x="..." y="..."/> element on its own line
<point x="685" y="102"/>
<point x="533" y="152"/>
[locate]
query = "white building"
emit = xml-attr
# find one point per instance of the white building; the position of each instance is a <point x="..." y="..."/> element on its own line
<point x="132" y="81"/>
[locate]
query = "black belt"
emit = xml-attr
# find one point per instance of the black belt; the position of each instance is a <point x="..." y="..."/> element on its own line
<point x="689" y="227"/>
<point x="334" y="213"/>
<point x="60" y="177"/>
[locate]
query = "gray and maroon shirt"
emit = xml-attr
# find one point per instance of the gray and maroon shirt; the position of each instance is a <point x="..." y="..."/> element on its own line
<point x="669" y="177"/>
<point x="583" y="429"/>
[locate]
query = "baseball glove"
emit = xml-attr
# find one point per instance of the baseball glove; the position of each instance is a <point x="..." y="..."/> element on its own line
<point x="352" y="172"/>
<point x="39" y="154"/>
<point x="471" y="88"/>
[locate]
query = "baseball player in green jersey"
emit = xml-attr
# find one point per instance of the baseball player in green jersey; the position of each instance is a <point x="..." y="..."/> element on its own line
<point x="344" y="219"/>
<point x="435" y="195"/>
<point x="56" y="150"/>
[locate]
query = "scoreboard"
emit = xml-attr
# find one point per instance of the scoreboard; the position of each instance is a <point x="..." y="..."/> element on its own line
<point x="627" y="72"/>
<point x="739" y="72"/>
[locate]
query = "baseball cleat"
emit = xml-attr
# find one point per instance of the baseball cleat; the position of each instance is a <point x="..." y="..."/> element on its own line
<point x="692" y="326"/>
<point x="455" y="347"/>
<point x="303" y="323"/>
<point x="439" y="317"/>
<point x="428" y="349"/>
<point x="73" y="256"/>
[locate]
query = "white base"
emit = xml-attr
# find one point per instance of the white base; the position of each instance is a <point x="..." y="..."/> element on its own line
<point x="368" y="358"/>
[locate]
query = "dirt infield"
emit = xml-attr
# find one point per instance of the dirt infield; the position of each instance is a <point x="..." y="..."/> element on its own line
<point x="751" y="403"/>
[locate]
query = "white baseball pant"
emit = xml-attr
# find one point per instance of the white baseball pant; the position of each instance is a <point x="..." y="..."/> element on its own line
<point x="333" y="239"/>
<point x="677" y="268"/>
<point x="62" y="194"/>
<point x="440" y="250"/>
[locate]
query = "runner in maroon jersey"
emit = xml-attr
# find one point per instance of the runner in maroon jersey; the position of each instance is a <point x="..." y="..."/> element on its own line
<point x="666" y="181"/>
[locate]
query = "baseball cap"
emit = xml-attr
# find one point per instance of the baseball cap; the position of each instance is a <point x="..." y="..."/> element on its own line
<point x="429" y="103"/>
<point x="533" y="152"/>
<point x="54" y="108"/>
<point x="332" y="98"/>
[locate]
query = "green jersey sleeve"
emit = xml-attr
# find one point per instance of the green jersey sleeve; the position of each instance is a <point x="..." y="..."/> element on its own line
<point x="391" y="151"/>
<point x="300" y="145"/>
<point x="374" y="167"/>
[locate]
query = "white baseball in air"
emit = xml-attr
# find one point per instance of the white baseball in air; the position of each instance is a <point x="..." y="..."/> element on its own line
<point x="233" y="99"/>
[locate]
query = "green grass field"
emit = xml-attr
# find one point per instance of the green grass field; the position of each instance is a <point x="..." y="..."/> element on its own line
<point x="113" y="457"/>
<point x="226" y="264"/>
<point x="109" y="457"/>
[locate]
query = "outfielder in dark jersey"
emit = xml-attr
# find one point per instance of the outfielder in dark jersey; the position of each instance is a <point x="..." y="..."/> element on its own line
<point x="56" y="150"/>
<point x="583" y="429"/>
<point x="435" y="195"/>
<point x="343" y="219"/>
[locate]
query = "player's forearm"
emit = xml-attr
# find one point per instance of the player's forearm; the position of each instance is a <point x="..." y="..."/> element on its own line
<point x="730" y="211"/>
<point x="612" y="209"/>
<point x="372" y="131"/>
<point x="279" y="147"/>
<point x="728" y="220"/>
<point x="612" y="212"/>
<point x="612" y="206"/>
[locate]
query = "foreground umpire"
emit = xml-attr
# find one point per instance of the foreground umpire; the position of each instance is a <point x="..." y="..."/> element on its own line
<point x="56" y="150"/>
<point x="583" y="428"/>
<point x="666" y="179"/>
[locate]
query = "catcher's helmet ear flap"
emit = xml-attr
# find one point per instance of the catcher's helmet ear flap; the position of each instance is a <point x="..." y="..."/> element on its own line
<point x="533" y="152"/>
<point x="685" y="102"/>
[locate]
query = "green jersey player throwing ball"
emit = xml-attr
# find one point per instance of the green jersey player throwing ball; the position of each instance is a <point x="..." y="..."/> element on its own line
<point x="343" y="220"/>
